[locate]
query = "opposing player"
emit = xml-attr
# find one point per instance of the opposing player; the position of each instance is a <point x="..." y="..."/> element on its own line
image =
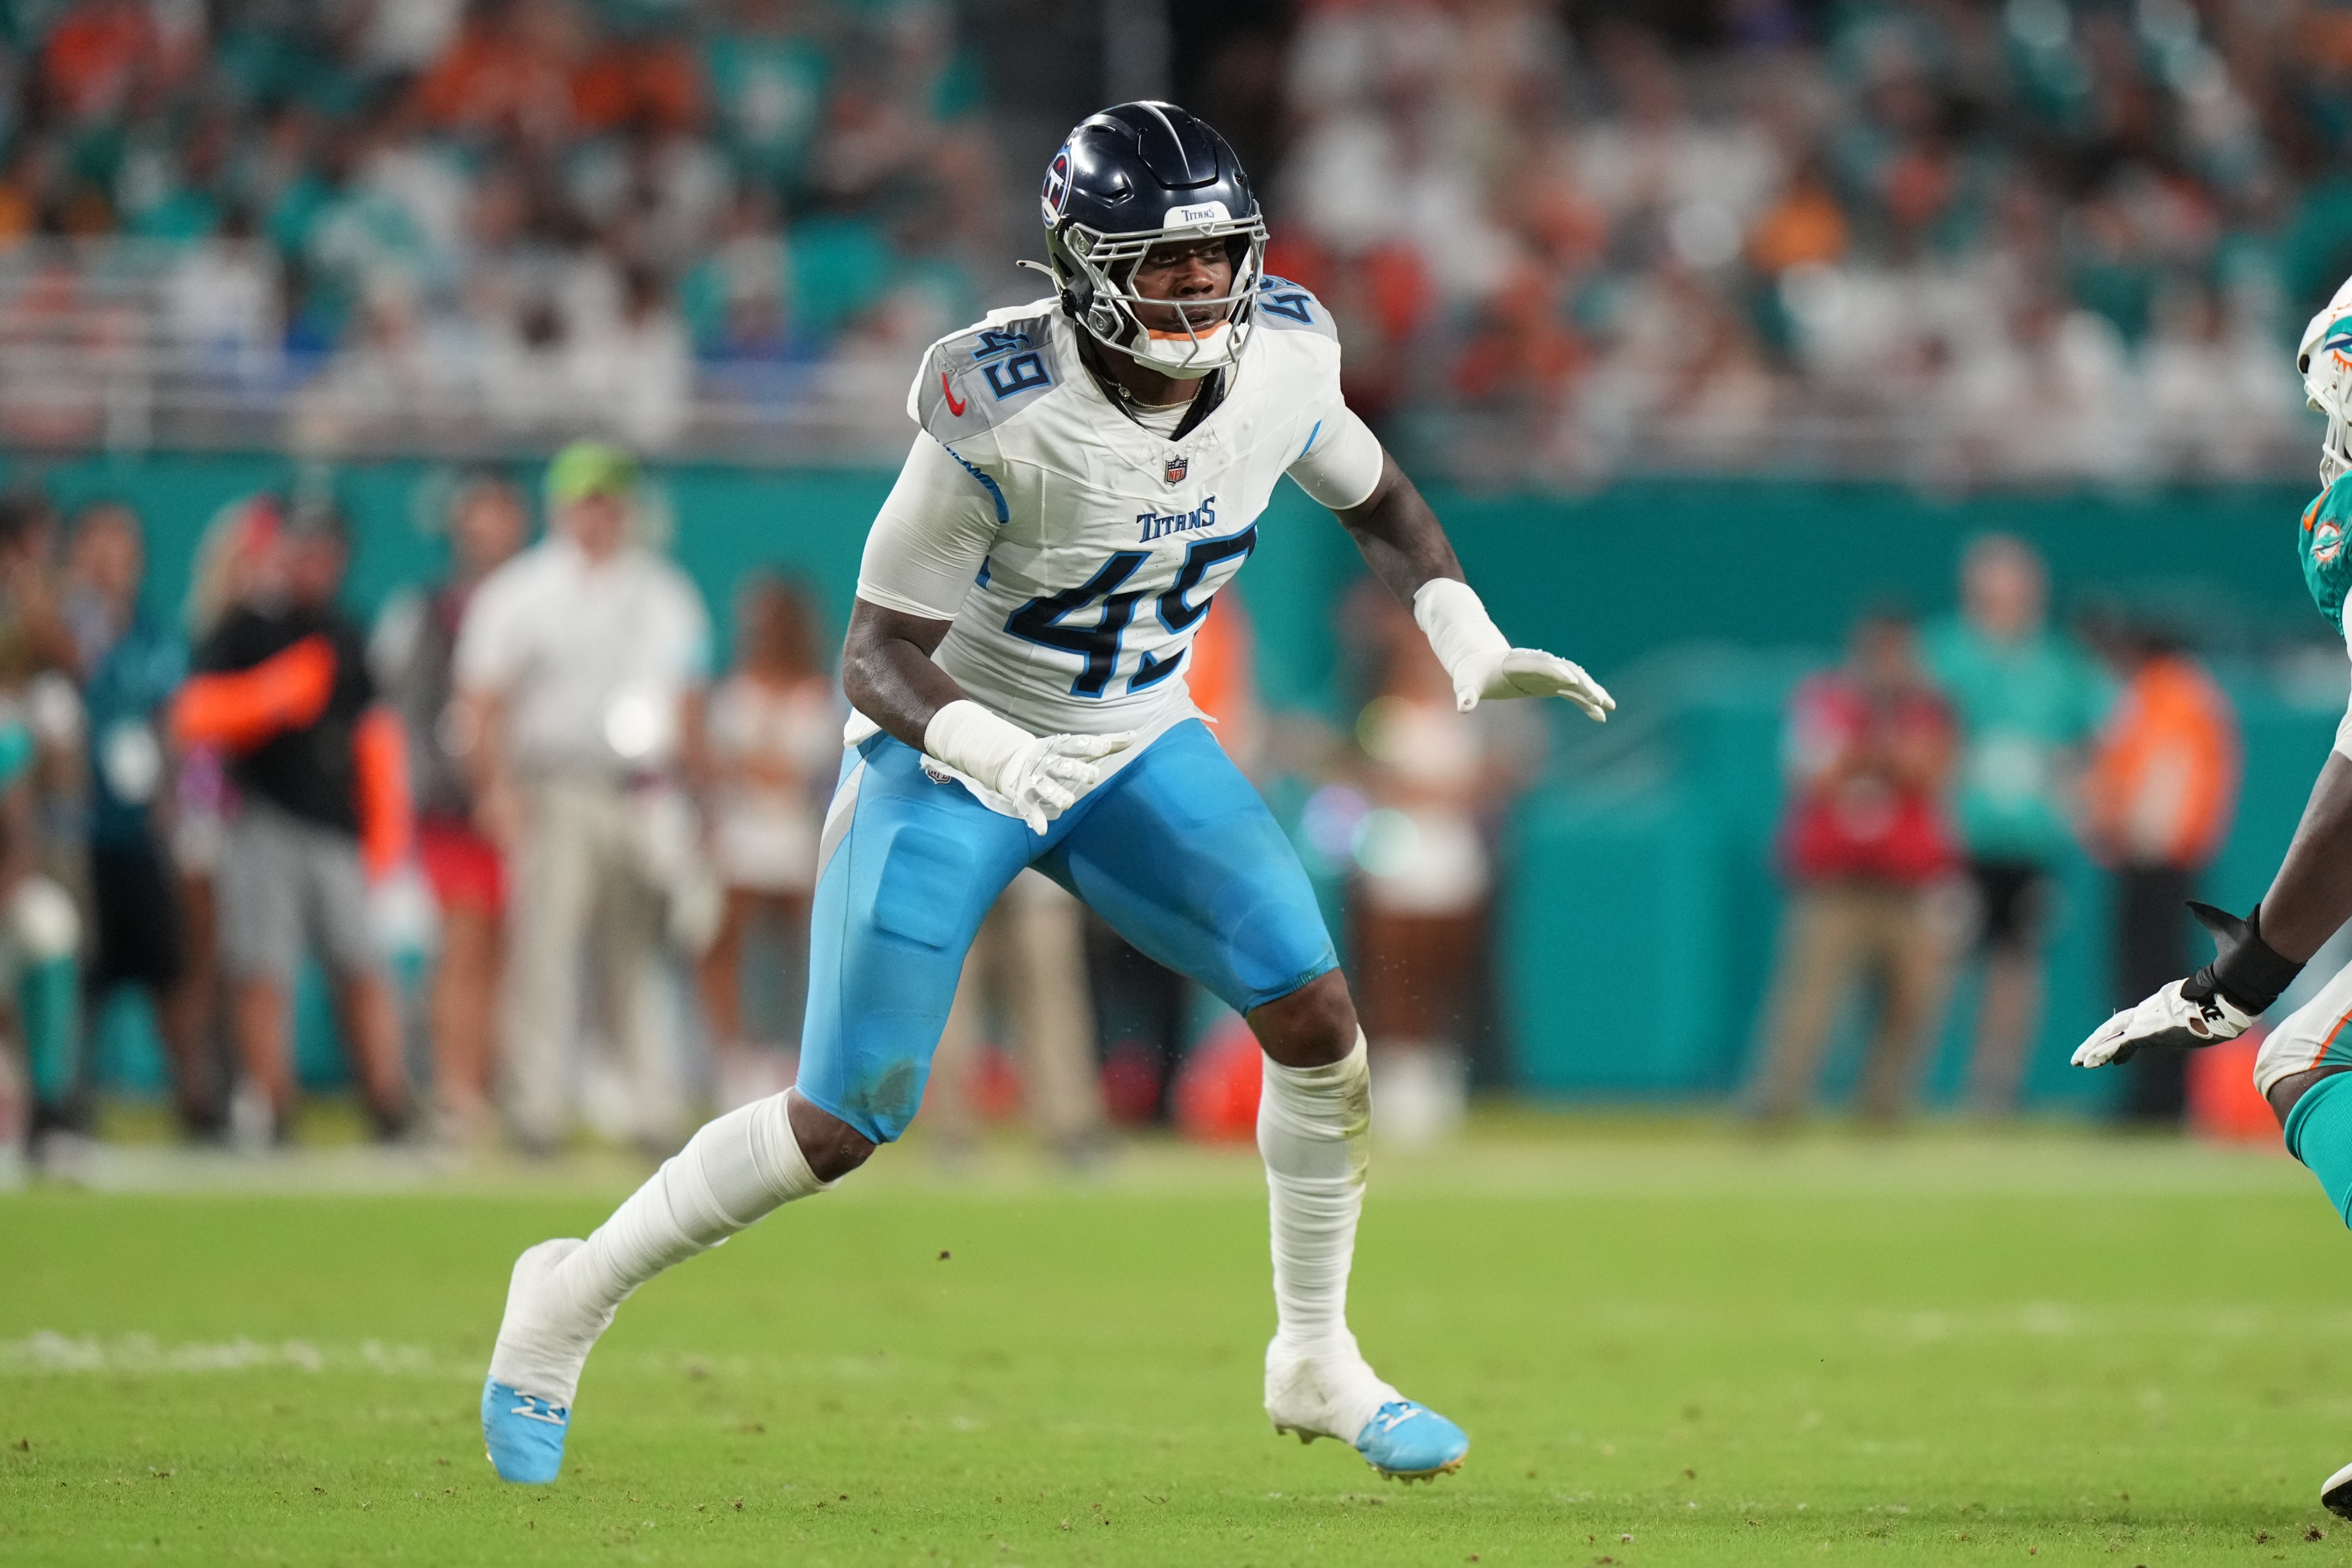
<point x="2300" y="1066"/>
<point x="1090" y="469"/>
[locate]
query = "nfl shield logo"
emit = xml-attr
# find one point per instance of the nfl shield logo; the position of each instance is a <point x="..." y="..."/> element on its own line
<point x="1177" y="467"/>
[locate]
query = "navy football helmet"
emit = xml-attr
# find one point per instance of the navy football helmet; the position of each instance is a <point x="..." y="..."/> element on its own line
<point x="1133" y="176"/>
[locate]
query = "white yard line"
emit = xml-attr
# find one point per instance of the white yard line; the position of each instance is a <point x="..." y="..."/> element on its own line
<point x="50" y="1351"/>
<point x="1522" y="1156"/>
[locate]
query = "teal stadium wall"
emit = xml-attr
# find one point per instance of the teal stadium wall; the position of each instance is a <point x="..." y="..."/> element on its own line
<point x="1637" y="924"/>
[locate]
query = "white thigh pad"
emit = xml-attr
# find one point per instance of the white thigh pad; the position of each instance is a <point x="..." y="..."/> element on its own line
<point x="2317" y="1033"/>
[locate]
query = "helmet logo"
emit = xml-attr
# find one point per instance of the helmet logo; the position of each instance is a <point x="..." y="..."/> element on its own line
<point x="1197" y="216"/>
<point x="1178" y="466"/>
<point x="1058" y="183"/>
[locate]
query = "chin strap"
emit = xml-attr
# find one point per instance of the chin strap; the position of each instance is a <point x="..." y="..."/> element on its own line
<point x="1205" y="402"/>
<point x="2245" y="969"/>
<point x="1062" y="291"/>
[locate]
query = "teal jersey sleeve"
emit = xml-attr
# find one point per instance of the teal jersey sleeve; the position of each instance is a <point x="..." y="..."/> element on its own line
<point x="2326" y="568"/>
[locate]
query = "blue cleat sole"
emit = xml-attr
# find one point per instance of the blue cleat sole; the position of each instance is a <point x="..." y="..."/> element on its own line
<point x="523" y="1433"/>
<point x="1409" y="1442"/>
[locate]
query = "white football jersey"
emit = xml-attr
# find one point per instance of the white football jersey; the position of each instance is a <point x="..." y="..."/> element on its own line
<point x="1075" y="552"/>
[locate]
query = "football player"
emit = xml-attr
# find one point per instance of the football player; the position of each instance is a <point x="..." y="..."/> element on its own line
<point x="2301" y="1065"/>
<point x="1090" y="468"/>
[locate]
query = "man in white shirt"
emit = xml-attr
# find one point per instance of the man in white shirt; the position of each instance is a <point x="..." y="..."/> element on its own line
<point x="1090" y="469"/>
<point x="580" y="672"/>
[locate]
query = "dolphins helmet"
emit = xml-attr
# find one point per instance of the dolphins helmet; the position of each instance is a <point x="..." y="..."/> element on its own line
<point x="2325" y="361"/>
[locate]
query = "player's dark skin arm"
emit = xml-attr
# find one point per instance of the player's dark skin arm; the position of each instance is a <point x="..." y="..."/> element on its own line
<point x="1400" y="538"/>
<point x="887" y="674"/>
<point x="2312" y="894"/>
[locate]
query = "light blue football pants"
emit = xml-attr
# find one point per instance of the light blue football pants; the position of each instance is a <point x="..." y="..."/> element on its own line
<point x="1175" y="850"/>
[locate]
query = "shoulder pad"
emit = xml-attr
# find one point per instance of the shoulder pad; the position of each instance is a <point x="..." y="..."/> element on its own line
<point x="1285" y="307"/>
<point x="973" y="380"/>
<point x="2326" y="565"/>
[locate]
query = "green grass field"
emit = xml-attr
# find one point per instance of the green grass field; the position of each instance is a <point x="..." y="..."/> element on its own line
<point x="1668" y="1346"/>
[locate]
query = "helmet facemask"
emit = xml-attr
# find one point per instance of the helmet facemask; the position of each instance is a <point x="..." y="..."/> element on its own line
<point x="2324" y="359"/>
<point x="1096" y="273"/>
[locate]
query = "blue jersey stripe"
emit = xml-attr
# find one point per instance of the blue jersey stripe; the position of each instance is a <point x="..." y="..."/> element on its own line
<point x="1004" y="514"/>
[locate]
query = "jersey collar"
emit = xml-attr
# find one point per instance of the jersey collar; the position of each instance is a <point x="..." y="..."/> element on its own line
<point x="1195" y="423"/>
<point x="1204" y="403"/>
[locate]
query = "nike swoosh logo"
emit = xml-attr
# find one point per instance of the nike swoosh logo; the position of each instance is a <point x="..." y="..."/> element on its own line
<point x="953" y="406"/>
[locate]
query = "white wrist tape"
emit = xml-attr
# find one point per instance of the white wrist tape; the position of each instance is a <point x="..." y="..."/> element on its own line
<point x="1456" y="624"/>
<point x="975" y="742"/>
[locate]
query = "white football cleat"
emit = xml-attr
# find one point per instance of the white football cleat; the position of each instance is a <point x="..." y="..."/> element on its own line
<point x="543" y="1340"/>
<point x="1332" y="1393"/>
<point x="2335" y="1497"/>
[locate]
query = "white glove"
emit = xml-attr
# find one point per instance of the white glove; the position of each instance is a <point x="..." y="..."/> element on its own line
<point x="1529" y="672"/>
<point x="1482" y="661"/>
<point x="1039" y="776"/>
<point x="2166" y="1018"/>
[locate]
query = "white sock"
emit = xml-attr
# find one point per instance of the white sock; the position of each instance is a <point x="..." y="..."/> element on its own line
<point x="735" y="1170"/>
<point x="1313" y="1126"/>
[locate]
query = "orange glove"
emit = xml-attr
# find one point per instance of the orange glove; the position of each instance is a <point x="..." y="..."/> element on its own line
<point x="240" y="710"/>
<point x="380" y="749"/>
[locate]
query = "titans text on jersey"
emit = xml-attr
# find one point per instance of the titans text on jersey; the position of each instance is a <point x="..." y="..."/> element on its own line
<point x="1096" y="543"/>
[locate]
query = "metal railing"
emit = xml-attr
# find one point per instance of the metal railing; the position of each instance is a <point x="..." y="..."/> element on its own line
<point x="132" y="345"/>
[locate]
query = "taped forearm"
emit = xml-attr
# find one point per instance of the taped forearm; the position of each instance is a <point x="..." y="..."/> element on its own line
<point x="2312" y="894"/>
<point x="976" y="743"/>
<point x="1454" y="618"/>
<point x="2246" y="969"/>
<point x="888" y="672"/>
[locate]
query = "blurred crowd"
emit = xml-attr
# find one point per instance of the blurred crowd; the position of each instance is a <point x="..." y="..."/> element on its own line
<point x="501" y="825"/>
<point x="1938" y="782"/>
<point x="2036" y="239"/>
<point x="1950" y="241"/>
<point x="1959" y="242"/>
<point x="480" y="223"/>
